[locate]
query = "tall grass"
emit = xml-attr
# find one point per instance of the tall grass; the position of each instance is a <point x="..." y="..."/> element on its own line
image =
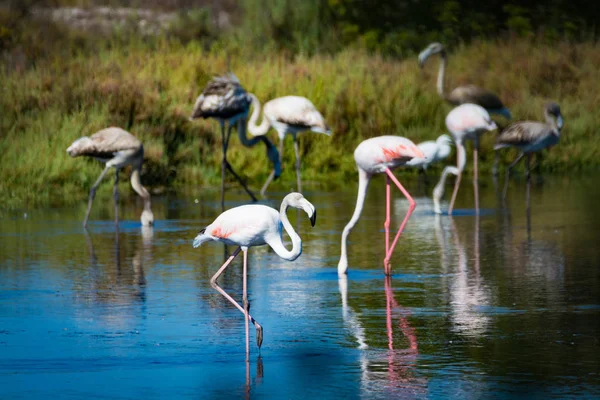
<point x="150" y="90"/>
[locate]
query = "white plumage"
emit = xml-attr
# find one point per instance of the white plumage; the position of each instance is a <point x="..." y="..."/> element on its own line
<point x="287" y="115"/>
<point x="434" y="151"/>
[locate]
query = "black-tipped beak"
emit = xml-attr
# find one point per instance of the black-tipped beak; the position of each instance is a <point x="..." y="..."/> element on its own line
<point x="313" y="218"/>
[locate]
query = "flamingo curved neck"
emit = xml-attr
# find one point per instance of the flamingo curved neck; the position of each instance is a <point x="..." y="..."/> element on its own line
<point x="242" y="135"/>
<point x="461" y="155"/>
<point x="141" y="190"/>
<point x="363" y="184"/>
<point x="442" y="75"/>
<point x="253" y="128"/>
<point x="277" y="246"/>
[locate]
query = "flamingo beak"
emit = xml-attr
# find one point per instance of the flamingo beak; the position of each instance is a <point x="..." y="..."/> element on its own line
<point x="313" y="218"/>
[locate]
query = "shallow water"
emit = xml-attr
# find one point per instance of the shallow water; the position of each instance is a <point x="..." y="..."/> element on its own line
<point x="492" y="306"/>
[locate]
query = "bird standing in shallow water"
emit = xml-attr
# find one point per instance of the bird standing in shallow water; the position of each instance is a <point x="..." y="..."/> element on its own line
<point x="117" y="148"/>
<point x="530" y="137"/>
<point x="225" y="99"/>
<point x="380" y="155"/>
<point x="465" y="122"/>
<point x="466" y="93"/>
<point x="255" y="225"/>
<point x="289" y="114"/>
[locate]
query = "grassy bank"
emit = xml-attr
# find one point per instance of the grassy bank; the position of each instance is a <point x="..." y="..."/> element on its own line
<point x="150" y="89"/>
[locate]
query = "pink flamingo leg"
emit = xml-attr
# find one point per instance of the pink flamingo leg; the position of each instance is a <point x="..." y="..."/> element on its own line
<point x="245" y="300"/>
<point x="411" y="208"/>
<point x="387" y="222"/>
<point x="213" y="282"/>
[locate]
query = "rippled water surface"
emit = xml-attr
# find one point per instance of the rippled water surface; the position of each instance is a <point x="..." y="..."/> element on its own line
<point x="499" y="305"/>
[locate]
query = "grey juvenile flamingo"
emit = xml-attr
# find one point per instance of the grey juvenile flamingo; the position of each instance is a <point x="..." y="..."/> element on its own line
<point x="225" y="99"/>
<point x="117" y="148"/>
<point x="530" y="137"/>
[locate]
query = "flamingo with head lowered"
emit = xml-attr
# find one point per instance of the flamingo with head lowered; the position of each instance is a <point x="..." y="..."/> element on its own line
<point x="288" y="115"/>
<point x="465" y="93"/>
<point x="380" y="155"/>
<point x="255" y="225"/>
<point x="116" y="148"/>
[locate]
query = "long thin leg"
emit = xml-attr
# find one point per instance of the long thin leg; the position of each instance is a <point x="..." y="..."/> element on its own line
<point x="93" y="194"/>
<point x="245" y="302"/>
<point x="411" y="208"/>
<point x="214" y="284"/>
<point x="387" y="222"/>
<point x="116" y="196"/>
<point x="455" y="192"/>
<point x="508" y="174"/>
<point x="297" y="165"/>
<point x="476" y="177"/>
<point x="496" y="162"/>
<point x="270" y="178"/>
<point x="267" y="183"/>
<point x="227" y="166"/>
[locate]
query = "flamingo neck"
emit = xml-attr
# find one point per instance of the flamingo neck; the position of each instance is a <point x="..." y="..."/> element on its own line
<point x="363" y="184"/>
<point x="277" y="246"/>
<point x="442" y="75"/>
<point x="242" y="135"/>
<point x="141" y="190"/>
<point x="253" y="128"/>
<point x="461" y="156"/>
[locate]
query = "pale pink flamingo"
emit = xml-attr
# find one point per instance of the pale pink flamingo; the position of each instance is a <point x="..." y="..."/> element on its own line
<point x="289" y="114"/>
<point x="380" y="155"/>
<point x="225" y="99"/>
<point x="116" y="148"/>
<point x="464" y="94"/>
<point x="255" y="225"/>
<point x="465" y="122"/>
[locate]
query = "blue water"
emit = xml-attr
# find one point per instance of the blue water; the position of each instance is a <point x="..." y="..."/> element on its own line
<point x="489" y="306"/>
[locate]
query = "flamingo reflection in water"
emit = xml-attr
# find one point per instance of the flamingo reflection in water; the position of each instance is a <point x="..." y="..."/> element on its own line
<point x="399" y="363"/>
<point x="468" y="292"/>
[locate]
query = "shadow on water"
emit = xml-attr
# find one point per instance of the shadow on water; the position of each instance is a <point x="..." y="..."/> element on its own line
<point x="502" y="304"/>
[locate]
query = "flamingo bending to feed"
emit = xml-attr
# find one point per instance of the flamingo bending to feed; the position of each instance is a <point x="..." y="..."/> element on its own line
<point x="289" y="114"/>
<point x="255" y="225"/>
<point x="116" y="148"/>
<point x="465" y="122"/>
<point x="466" y="93"/>
<point x="530" y="137"/>
<point x="381" y="155"/>
<point x="434" y="151"/>
<point x="225" y="99"/>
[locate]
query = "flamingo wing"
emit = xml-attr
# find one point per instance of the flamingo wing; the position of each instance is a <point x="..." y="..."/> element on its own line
<point x="104" y="143"/>
<point x="475" y="95"/>
<point x="522" y="134"/>
<point x="245" y="225"/>
<point x="296" y="111"/>
<point x="223" y="97"/>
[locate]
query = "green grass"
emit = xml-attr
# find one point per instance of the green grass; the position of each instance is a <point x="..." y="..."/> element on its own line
<point x="47" y="106"/>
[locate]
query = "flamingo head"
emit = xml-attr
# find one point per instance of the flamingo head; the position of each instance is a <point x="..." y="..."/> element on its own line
<point x="147" y="218"/>
<point x="433" y="48"/>
<point x="298" y="201"/>
<point x="552" y="109"/>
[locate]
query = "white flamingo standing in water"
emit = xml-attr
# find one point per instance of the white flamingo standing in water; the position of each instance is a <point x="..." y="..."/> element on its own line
<point x="289" y="114"/>
<point x="464" y="94"/>
<point x="255" y="225"/>
<point x="116" y="148"/>
<point x="465" y="122"/>
<point x="380" y="155"/>
<point x="225" y="99"/>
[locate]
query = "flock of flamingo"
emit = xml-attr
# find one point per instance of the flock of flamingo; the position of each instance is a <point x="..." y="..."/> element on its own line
<point x="225" y="100"/>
